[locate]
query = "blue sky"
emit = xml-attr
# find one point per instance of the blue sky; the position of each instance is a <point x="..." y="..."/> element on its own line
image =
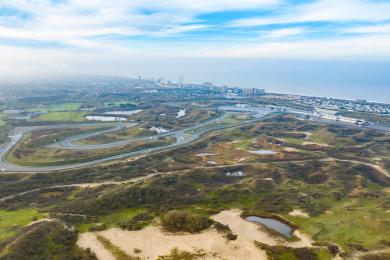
<point x="55" y="37"/>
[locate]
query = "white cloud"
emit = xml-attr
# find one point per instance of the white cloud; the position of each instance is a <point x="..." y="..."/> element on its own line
<point x="324" y="11"/>
<point x="78" y="22"/>
<point x="282" y="33"/>
<point x="24" y="62"/>
<point x="373" y="29"/>
<point x="365" y="47"/>
<point x="91" y="36"/>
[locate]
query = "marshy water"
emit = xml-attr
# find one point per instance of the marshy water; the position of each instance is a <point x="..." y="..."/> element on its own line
<point x="264" y="152"/>
<point x="106" y="118"/>
<point x="123" y="113"/>
<point x="273" y="224"/>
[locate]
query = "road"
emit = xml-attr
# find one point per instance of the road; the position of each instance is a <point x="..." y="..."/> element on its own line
<point x="182" y="137"/>
<point x="142" y="178"/>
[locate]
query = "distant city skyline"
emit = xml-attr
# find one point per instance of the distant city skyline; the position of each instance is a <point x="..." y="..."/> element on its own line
<point x="329" y="47"/>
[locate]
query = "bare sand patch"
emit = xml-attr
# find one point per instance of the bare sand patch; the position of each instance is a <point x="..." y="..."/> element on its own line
<point x="314" y="143"/>
<point x="298" y="213"/>
<point x="242" y="159"/>
<point x="205" y="154"/>
<point x="89" y="240"/>
<point x="204" y="157"/>
<point x="154" y="242"/>
<point x="212" y="162"/>
<point x="290" y="149"/>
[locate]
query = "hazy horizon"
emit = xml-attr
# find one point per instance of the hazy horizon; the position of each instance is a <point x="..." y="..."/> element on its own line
<point x="311" y="47"/>
<point x="337" y="79"/>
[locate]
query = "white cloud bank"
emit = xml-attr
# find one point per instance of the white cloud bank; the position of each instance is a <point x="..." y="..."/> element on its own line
<point x="76" y="36"/>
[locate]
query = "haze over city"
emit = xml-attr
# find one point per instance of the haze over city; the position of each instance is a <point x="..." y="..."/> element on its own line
<point x="323" y="47"/>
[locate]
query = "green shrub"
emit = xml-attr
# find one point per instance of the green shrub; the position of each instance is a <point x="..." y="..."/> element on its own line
<point x="137" y="222"/>
<point x="179" y="220"/>
<point x="226" y="230"/>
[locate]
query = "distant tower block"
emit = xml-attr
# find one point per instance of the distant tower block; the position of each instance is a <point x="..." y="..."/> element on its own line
<point x="181" y="81"/>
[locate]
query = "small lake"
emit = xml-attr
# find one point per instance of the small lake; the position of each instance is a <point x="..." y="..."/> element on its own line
<point x="263" y="152"/>
<point x="205" y="154"/>
<point x="257" y="112"/>
<point x="105" y="118"/>
<point x="273" y="224"/>
<point x="123" y="113"/>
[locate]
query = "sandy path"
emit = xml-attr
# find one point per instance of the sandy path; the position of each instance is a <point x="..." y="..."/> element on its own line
<point x="142" y="178"/>
<point x="375" y="166"/>
<point x="298" y="213"/>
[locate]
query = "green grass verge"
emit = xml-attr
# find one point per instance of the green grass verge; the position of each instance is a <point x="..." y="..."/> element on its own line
<point x="114" y="219"/>
<point x="118" y="104"/>
<point x="68" y="116"/>
<point x="352" y="221"/>
<point x="56" y="107"/>
<point x="12" y="221"/>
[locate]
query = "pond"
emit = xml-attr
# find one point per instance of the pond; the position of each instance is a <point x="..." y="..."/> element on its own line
<point x="123" y="113"/>
<point x="257" y="112"/>
<point x="263" y="152"/>
<point x="273" y="224"/>
<point x="205" y="154"/>
<point x="105" y="118"/>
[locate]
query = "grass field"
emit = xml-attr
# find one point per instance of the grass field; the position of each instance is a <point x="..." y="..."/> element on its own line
<point x="123" y="134"/>
<point x="31" y="151"/>
<point x="243" y="143"/>
<point x="352" y="221"/>
<point x="68" y="116"/>
<point x="293" y="140"/>
<point x="114" y="219"/>
<point x="12" y="221"/>
<point x="56" y="107"/>
<point x="118" y="104"/>
<point x="322" y="137"/>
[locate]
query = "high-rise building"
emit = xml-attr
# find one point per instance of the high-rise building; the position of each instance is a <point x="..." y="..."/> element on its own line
<point x="253" y="91"/>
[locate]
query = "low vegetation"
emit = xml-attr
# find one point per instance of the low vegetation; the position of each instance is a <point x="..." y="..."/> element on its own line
<point x="12" y="221"/>
<point x="32" y="150"/>
<point x="179" y="220"/>
<point x="62" y="116"/>
<point x="46" y="240"/>
<point x="176" y="254"/>
<point x="118" y="253"/>
<point x="283" y="252"/>
<point x="316" y="168"/>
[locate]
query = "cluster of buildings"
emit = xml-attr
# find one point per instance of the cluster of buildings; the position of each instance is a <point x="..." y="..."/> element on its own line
<point x="253" y="91"/>
<point x="341" y="104"/>
<point x="209" y="86"/>
<point x="334" y="116"/>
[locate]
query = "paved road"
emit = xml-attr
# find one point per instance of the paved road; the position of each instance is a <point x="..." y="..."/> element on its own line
<point x="69" y="143"/>
<point x="182" y="137"/>
<point x="142" y="178"/>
